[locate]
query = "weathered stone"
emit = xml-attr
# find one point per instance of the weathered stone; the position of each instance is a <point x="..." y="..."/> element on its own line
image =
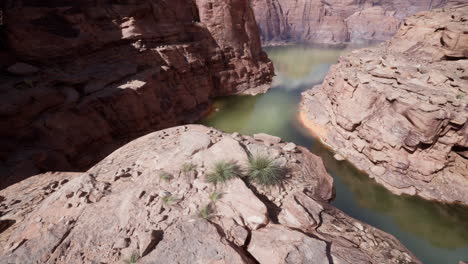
<point x="290" y="147"/>
<point x="238" y="200"/>
<point x="402" y="131"/>
<point x="268" y="139"/>
<point x="161" y="220"/>
<point x="22" y="68"/>
<point x="277" y="244"/>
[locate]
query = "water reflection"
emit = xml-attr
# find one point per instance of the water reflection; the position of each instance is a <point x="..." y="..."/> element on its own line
<point x="435" y="233"/>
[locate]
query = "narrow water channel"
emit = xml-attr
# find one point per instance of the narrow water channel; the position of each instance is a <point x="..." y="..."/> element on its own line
<point x="435" y="233"/>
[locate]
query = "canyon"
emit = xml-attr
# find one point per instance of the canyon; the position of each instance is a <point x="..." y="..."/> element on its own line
<point x="83" y="78"/>
<point x="336" y="21"/>
<point x="398" y="111"/>
<point x="122" y="207"/>
<point x="97" y="166"/>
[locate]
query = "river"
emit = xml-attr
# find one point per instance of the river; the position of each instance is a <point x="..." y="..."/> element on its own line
<point x="435" y="233"/>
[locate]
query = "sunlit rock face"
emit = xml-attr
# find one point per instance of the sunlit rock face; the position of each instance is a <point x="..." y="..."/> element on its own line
<point x="81" y="75"/>
<point x="335" y="21"/>
<point x="398" y="110"/>
<point x="123" y="207"/>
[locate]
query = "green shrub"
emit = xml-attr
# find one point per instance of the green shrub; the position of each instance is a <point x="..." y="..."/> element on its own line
<point x="223" y="171"/>
<point x="169" y="200"/>
<point x="206" y="212"/>
<point x="25" y="84"/>
<point x="265" y="171"/>
<point x="165" y="176"/>
<point x="215" y="196"/>
<point x="133" y="259"/>
<point x="188" y="167"/>
<point x="460" y="96"/>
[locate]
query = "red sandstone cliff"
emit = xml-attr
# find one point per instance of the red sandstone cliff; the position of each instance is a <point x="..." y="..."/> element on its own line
<point x="399" y="110"/>
<point x="336" y="21"/>
<point x="101" y="72"/>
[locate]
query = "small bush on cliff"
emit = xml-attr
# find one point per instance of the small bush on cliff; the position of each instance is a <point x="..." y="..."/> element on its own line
<point x="132" y="259"/>
<point x="223" y="171"/>
<point x="265" y="171"/>
<point x="188" y="167"/>
<point x="169" y="200"/>
<point x="206" y="212"/>
<point x="215" y="196"/>
<point x="165" y="176"/>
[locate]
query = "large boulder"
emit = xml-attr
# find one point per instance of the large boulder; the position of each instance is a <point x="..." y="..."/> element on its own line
<point x="123" y="209"/>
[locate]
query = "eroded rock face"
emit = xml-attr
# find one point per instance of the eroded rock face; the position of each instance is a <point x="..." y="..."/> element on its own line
<point x="80" y="75"/>
<point x="123" y="207"/>
<point x="399" y="110"/>
<point x="335" y="21"/>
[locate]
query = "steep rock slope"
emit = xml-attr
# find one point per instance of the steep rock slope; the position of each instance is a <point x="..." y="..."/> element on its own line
<point x="399" y="111"/>
<point x="123" y="207"/>
<point x="336" y="21"/>
<point x="80" y="75"/>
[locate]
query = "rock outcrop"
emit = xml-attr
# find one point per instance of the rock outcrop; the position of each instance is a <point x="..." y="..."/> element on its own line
<point x="80" y="76"/>
<point x="124" y="208"/>
<point x="399" y="111"/>
<point x="336" y="21"/>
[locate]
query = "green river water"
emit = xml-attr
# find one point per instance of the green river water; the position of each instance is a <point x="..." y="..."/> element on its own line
<point x="435" y="233"/>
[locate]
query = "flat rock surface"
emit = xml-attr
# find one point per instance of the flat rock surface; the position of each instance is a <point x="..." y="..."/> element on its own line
<point x="399" y="110"/>
<point x="123" y="207"/>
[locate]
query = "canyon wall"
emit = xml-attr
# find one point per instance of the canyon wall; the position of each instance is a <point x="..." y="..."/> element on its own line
<point x="78" y="77"/>
<point x="399" y="111"/>
<point x="336" y="21"/>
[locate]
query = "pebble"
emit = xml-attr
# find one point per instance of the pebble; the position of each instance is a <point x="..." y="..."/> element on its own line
<point x="359" y="226"/>
<point x="290" y="147"/>
<point x="338" y="157"/>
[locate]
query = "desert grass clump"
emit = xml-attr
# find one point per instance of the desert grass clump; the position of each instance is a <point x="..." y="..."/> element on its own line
<point x="215" y="196"/>
<point x="188" y="167"/>
<point x="165" y="176"/>
<point x="206" y="212"/>
<point x="265" y="171"/>
<point x="133" y="258"/>
<point x="223" y="171"/>
<point x="169" y="200"/>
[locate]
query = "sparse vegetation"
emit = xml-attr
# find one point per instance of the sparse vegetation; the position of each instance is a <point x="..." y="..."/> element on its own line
<point x="25" y="84"/>
<point x="265" y="171"/>
<point x="215" y="196"/>
<point x="188" y="167"/>
<point x="206" y="212"/>
<point x="132" y="259"/>
<point x="460" y="96"/>
<point x="169" y="200"/>
<point x="223" y="171"/>
<point x="165" y="176"/>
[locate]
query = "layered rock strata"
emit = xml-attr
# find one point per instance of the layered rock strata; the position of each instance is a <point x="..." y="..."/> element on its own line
<point x="336" y="21"/>
<point x="79" y="75"/>
<point x="124" y="207"/>
<point x="399" y="110"/>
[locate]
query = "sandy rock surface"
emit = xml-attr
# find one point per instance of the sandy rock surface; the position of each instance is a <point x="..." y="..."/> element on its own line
<point x="399" y="111"/>
<point x="123" y="207"/>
